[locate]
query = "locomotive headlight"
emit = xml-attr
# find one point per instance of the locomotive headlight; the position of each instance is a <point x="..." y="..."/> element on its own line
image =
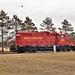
<point x="72" y="45"/>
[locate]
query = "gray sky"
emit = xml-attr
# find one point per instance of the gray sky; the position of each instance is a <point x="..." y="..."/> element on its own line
<point x="38" y="10"/>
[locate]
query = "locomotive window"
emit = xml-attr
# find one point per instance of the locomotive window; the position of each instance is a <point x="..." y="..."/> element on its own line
<point x="17" y="34"/>
<point x="62" y="36"/>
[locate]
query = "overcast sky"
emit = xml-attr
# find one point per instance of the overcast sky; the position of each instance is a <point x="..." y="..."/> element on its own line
<point x="38" y="10"/>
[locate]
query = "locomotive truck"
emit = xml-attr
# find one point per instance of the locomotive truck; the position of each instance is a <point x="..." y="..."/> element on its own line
<point x="42" y="41"/>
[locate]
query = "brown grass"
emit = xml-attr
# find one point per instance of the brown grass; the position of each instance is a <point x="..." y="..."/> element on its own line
<point x="62" y="63"/>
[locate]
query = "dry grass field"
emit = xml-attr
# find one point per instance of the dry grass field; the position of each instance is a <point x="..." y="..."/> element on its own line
<point x="62" y="63"/>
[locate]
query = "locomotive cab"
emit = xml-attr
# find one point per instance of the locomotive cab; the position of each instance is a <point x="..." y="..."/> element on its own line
<point x="64" y="42"/>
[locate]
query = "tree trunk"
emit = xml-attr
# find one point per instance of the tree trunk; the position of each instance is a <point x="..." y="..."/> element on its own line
<point x="2" y="41"/>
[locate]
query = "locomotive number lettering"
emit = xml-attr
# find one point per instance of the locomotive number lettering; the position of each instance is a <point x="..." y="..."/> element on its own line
<point x="33" y="38"/>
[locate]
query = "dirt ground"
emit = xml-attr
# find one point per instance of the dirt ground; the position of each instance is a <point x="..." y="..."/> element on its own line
<point x="62" y="63"/>
<point x="5" y="49"/>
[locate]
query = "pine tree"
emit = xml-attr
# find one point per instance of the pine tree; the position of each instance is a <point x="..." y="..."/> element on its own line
<point x="47" y="25"/>
<point x="28" y="25"/>
<point x="16" y="22"/>
<point x="4" y="24"/>
<point x="66" y="27"/>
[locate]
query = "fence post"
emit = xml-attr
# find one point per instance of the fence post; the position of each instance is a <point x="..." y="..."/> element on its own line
<point x="54" y="48"/>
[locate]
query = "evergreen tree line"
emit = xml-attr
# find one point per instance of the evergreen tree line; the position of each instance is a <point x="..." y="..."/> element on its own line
<point x="8" y="26"/>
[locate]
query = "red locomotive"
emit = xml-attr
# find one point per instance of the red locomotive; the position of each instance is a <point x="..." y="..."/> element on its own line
<point x="42" y="41"/>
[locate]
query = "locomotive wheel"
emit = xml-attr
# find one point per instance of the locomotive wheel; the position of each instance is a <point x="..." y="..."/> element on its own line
<point x="63" y="50"/>
<point x="29" y="50"/>
<point x="21" y="50"/>
<point x="18" y="51"/>
<point x="34" y="50"/>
